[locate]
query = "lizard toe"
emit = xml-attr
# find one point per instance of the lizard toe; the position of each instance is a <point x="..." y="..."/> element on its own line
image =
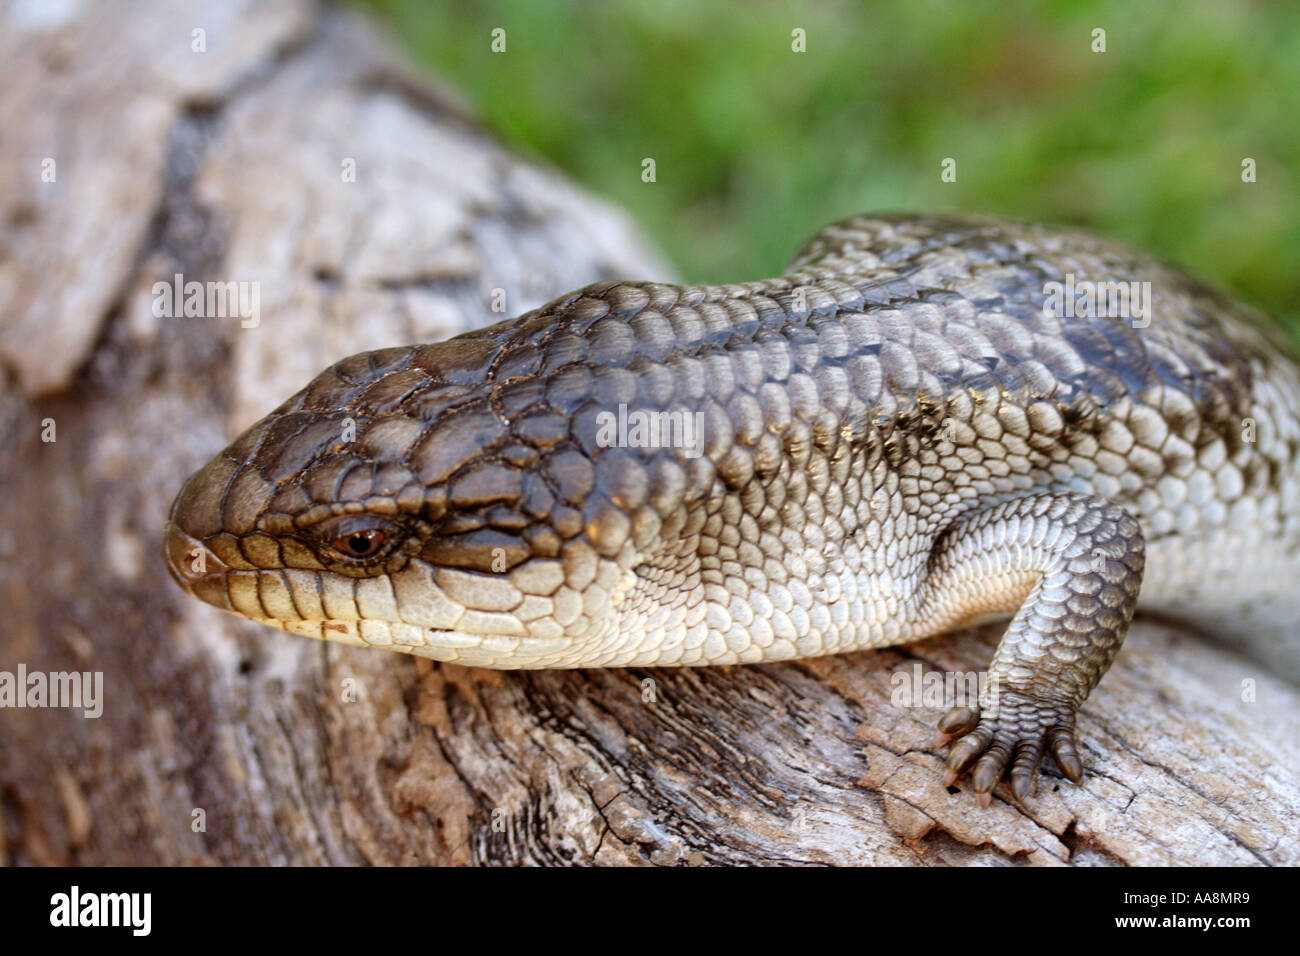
<point x="1008" y="741"/>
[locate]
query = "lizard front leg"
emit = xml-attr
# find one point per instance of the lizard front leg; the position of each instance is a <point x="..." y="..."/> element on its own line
<point x="1070" y="566"/>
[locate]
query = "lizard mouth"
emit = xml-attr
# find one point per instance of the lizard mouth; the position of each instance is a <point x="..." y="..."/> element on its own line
<point x="462" y="647"/>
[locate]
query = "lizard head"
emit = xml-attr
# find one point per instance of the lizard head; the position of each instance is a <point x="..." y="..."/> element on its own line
<point x="452" y="501"/>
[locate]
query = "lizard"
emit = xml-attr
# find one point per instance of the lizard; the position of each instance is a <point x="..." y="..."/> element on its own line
<point x="926" y="421"/>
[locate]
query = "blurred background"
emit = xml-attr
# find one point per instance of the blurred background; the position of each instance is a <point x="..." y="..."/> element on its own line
<point x="757" y="147"/>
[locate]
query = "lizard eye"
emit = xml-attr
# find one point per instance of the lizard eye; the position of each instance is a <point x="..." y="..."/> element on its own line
<point x="356" y="539"/>
<point x="360" y="544"/>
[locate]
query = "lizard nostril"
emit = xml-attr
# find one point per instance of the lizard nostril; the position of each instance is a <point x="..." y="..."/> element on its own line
<point x="193" y="566"/>
<point x="177" y="552"/>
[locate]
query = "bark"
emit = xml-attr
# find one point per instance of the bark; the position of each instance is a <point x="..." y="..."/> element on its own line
<point x="230" y="165"/>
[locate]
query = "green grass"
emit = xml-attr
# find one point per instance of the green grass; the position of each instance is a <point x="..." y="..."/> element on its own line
<point x="757" y="146"/>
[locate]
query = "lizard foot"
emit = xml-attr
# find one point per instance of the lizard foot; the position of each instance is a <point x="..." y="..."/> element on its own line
<point x="1012" y="734"/>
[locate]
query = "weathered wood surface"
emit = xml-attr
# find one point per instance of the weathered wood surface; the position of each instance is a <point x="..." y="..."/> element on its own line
<point x="226" y="165"/>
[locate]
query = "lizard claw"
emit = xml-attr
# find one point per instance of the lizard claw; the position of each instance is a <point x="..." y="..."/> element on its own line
<point x="1008" y="740"/>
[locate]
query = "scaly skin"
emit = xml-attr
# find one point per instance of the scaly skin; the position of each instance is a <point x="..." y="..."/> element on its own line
<point x="896" y="440"/>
